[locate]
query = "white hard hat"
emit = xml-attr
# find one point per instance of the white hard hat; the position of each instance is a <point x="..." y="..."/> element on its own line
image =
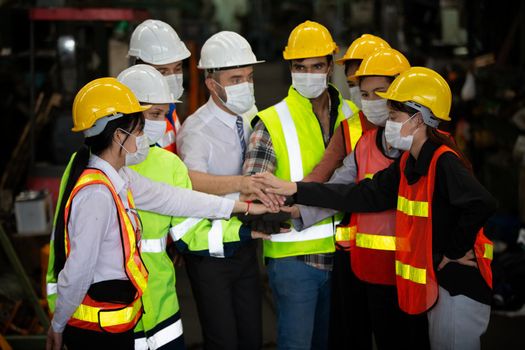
<point x="148" y="85"/>
<point x="226" y="49"/>
<point x="155" y="42"/>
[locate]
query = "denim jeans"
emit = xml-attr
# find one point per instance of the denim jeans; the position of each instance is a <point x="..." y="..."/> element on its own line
<point x="302" y="298"/>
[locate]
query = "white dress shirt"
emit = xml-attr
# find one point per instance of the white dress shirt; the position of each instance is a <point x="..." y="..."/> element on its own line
<point x="208" y="141"/>
<point x="96" y="249"/>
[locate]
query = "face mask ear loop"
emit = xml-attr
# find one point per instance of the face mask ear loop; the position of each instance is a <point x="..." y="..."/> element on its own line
<point x="121" y="145"/>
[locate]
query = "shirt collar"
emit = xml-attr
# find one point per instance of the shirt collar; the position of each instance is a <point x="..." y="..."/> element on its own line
<point x="229" y="119"/>
<point x="98" y="163"/>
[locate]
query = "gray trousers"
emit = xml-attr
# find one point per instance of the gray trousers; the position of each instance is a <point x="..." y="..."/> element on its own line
<point x="457" y="322"/>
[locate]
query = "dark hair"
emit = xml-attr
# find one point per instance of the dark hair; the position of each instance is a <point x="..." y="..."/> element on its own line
<point x="434" y="134"/>
<point x="350" y="62"/>
<point x="96" y="145"/>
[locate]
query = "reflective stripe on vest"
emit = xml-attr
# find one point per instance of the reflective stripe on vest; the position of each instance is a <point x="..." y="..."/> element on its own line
<point x="215" y="236"/>
<point x="345" y="233"/>
<point x="178" y="231"/>
<point x="153" y="245"/>
<point x="377" y="242"/>
<point x="412" y="208"/>
<point x="292" y="141"/>
<point x="488" y="251"/>
<point x="160" y="338"/>
<point x="111" y="317"/>
<point x="51" y="288"/>
<point x="411" y="273"/>
<point x="311" y="233"/>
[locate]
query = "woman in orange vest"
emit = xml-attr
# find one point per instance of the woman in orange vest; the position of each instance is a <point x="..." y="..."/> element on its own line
<point x="101" y="276"/>
<point x="442" y="259"/>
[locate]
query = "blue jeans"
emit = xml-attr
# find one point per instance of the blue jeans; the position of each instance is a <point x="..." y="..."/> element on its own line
<point x="302" y="298"/>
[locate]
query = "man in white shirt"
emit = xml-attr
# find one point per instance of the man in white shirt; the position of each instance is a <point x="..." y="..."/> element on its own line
<point x="213" y="140"/>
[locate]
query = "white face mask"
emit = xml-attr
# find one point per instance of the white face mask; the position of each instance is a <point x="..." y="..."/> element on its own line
<point x="239" y="98"/>
<point x="394" y="138"/>
<point x="175" y="83"/>
<point x="142" y="149"/>
<point x="154" y="129"/>
<point x="376" y="111"/>
<point x="355" y="96"/>
<point x="309" y="85"/>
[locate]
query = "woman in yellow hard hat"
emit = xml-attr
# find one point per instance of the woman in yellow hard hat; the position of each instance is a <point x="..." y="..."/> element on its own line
<point x="442" y="258"/>
<point x="100" y="276"/>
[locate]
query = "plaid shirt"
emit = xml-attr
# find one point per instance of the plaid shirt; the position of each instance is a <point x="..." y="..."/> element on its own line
<point x="260" y="157"/>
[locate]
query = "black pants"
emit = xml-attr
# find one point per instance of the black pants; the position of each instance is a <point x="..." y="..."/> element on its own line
<point x="364" y="309"/>
<point x="80" y="339"/>
<point x="349" y="322"/>
<point x="228" y="296"/>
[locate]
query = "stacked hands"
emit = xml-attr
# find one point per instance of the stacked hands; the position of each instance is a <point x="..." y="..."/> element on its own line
<point x="273" y="192"/>
<point x="269" y="210"/>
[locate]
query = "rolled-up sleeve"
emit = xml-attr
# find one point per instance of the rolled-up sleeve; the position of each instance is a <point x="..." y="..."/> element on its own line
<point x="173" y="201"/>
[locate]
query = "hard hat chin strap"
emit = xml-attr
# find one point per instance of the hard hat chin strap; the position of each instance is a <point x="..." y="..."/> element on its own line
<point x="426" y="113"/>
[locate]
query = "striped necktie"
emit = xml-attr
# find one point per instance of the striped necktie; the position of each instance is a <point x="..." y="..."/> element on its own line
<point x="240" y="132"/>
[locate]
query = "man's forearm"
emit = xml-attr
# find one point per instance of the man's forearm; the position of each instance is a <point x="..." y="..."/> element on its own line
<point x="215" y="184"/>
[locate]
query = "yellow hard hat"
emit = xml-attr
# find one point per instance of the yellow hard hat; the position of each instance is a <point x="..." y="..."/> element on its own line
<point x="309" y="39"/>
<point x="386" y="62"/>
<point x="100" y="98"/>
<point x="422" y="86"/>
<point x="362" y="47"/>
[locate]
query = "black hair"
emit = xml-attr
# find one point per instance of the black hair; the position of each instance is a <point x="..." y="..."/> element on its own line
<point x="96" y="145"/>
<point x="350" y="62"/>
<point x="435" y="135"/>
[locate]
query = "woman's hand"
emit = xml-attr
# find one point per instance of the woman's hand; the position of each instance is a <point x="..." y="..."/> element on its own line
<point x="468" y="260"/>
<point x="275" y="185"/>
<point x="54" y="340"/>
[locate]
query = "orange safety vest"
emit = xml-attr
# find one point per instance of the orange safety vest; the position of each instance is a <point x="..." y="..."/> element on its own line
<point x="417" y="286"/>
<point x="373" y="246"/>
<point x="105" y="316"/>
<point x="345" y="232"/>
<point x="168" y="141"/>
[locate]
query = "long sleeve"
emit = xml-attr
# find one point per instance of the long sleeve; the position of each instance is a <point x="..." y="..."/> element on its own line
<point x="470" y="200"/>
<point x="370" y="195"/>
<point x="260" y="156"/>
<point x="168" y="200"/>
<point x="93" y="211"/>
<point x="346" y="174"/>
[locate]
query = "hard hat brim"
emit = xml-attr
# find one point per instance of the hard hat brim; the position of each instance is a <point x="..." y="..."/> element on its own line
<point x="230" y="66"/>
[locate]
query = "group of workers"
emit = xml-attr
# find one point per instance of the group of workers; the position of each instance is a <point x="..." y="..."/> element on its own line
<point x="370" y="216"/>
